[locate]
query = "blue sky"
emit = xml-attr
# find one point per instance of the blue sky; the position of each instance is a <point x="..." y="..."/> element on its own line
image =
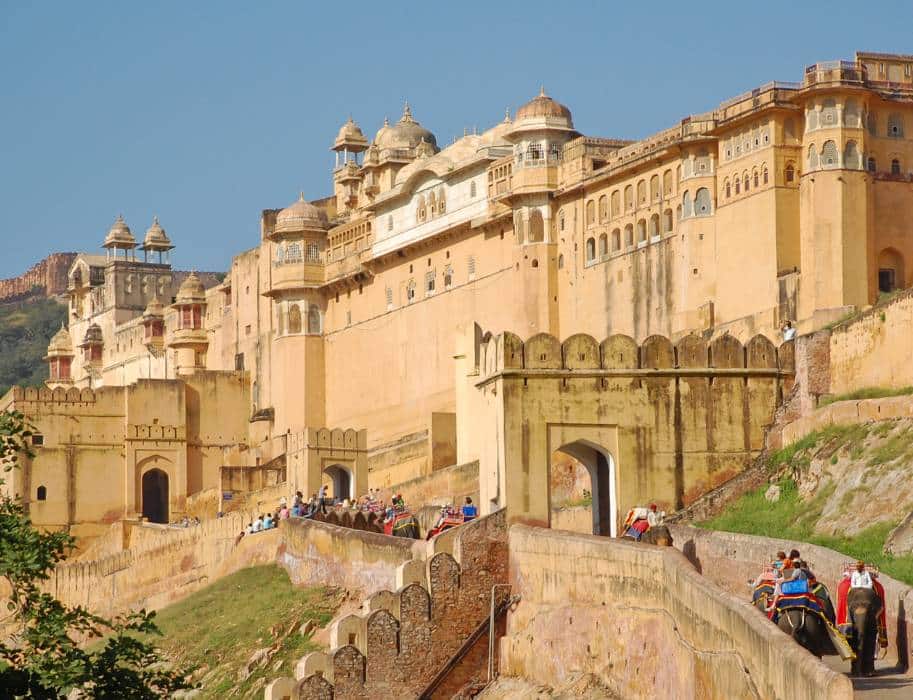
<point x="206" y="113"/>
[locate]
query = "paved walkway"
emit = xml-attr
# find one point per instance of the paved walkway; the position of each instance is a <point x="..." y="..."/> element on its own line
<point x="887" y="684"/>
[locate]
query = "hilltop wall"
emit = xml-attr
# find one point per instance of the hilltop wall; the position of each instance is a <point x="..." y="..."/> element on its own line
<point x="647" y="624"/>
<point x="50" y="274"/>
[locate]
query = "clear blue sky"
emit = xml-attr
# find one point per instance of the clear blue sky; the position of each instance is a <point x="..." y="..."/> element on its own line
<point x="206" y="113"/>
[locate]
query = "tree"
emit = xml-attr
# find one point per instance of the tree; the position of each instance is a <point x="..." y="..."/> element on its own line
<point x="47" y="654"/>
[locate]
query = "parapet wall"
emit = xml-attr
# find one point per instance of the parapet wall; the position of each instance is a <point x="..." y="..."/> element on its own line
<point x="543" y="351"/>
<point x="647" y="624"/>
<point x="873" y="349"/>
<point x="50" y="274"/>
<point x="729" y="559"/>
<point x="402" y="638"/>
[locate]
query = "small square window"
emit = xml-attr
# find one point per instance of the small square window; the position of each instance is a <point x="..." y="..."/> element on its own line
<point x="37" y="439"/>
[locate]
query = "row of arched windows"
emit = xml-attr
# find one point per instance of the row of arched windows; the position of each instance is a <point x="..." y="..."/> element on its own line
<point x="610" y="206"/>
<point x="531" y="230"/>
<point x="702" y="204"/>
<point x="640" y="232"/>
<point x="430" y="205"/>
<point x="829" y="156"/>
<point x="290" y="321"/>
<point x="757" y="137"/>
<point x="745" y="182"/>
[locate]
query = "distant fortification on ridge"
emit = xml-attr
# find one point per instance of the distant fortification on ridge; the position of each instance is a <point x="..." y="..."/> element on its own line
<point x="50" y="275"/>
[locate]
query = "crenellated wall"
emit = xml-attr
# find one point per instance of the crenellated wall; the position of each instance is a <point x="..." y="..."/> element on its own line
<point x="50" y="275"/>
<point x="647" y="624"/>
<point x="401" y="640"/>
<point x="670" y="421"/>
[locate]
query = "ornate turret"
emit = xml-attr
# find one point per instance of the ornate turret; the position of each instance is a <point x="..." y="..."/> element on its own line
<point x="154" y="325"/>
<point x="300" y="217"/>
<point x="60" y="359"/>
<point x="156" y="241"/>
<point x="92" y="345"/>
<point x="349" y="140"/>
<point x="189" y="339"/>
<point x="120" y="238"/>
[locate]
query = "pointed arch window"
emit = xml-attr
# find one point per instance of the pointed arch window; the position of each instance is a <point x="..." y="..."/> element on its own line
<point x="294" y="319"/>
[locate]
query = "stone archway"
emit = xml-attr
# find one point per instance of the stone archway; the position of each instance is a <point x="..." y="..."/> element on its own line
<point x="891" y="273"/>
<point x="155" y="496"/>
<point x="340" y="480"/>
<point x="600" y="466"/>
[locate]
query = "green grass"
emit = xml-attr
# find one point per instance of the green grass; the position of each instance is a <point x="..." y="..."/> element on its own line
<point x="792" y="519"/>
<point x="833" y="436"/>
<point x="218" y="628"/>
<point x="872" y="392"/>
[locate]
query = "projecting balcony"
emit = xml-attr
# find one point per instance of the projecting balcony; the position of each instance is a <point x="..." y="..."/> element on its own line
<point x="834" y="72"/>
<point x="534" y="176"/>
<point x="295" y="274"/>
<point x="188" y="336"/>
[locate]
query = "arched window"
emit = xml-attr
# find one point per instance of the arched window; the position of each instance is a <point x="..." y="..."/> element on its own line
<point x="667" y="221"/>
<point x="895" y="126"/>
<point x="280" y="253"/>
<point x="851" y="113"/>
<point x="871" y="165"/>
<point x="654" y="225"/>
<point x="42" y="493"/>
<point x="811" y="119"/>
<point x="895" y="167"/>
<point x="812" y="157"/>
<point x="629" y="198"/>
<point x="442" y="200"/>
<point x="448" y="274"/>
<point x="312" y="252"/>
<point x="789" y="129"/>
<point x="702" y="202"/>
<point x="518" y="227"/>
<point x="560" y="265"/>
<point x="728" y="187"/>
<point x="667" y="183"/>
<point x="420" y="208"/>
<point x="472" y="189"/>
<point x="654" y="188"/>
<point x="432" y="204"/>
<point x="678" y="173"/>
<point x="686" y="205"/>
<point x="293" y="253"/>
<point x="590" y="249"/>
<point x="745" y="181"/>
<point x="603" y="208"/>
<point x="410" y="291"/>
<point x="790" y="173"/>
<point x="641" y="192"/>
<point x="871" y="123"/>
<point x="890" y="270"/>
<point x="561" y="220"/>
<point x="294" y="319"/>
<point x="851" y="159"/>
<point x="616" y="240"/>
<point x="603" y="245"/>
<point x="828" y="113"/>
<point x="616" y="203"/>
<point x="764" y="176"/>
<point x="641" y="230"/>
<point x="738" y="184"/>
<point x="313" y="320"/>
<point x="629" y="235"/>
<point x="755" y="178"/>
<point x="536" y="227"/>
<point x="390" y="222"/>
<point x="590" y="213"/>
<point x="829" y="155"/>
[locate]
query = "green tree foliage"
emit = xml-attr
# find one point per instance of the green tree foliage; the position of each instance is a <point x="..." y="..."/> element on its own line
<point x="26" y="328"/>
<point x="47" y="656"/>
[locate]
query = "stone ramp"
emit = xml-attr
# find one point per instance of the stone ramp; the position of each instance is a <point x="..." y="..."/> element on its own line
<point x="887" y="684"/>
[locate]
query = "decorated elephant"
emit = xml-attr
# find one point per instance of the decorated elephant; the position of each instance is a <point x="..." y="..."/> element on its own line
<point x="658" y="535"/>
<point x="864" y="606"/>
<point x="808" y="629"/>
<point x="402" y="524"/>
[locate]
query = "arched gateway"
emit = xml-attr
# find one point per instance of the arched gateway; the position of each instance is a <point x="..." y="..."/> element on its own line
<point x="155" y="496"/>
<point x="650" y="422"/>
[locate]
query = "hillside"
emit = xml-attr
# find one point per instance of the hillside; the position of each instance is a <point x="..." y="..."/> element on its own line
<point x="244" y="630"/>
<point x="26" y="328"/>
<point x="845" y="487"/>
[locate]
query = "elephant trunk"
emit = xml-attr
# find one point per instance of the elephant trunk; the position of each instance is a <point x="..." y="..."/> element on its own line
<point x="864" y="641"/>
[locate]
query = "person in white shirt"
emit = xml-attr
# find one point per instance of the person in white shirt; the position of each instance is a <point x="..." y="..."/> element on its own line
<point x="861" y="578"/>
<point x="788" y="331"/>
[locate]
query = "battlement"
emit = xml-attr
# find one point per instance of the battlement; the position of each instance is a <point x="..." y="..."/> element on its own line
<point x="49" y="275"/>
<point x="401" y="639"/>
<point x="582" y="354"/>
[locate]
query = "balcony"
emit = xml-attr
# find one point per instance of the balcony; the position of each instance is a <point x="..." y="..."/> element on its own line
<point x="295" y="274"/>
<point x="834" y="72"/>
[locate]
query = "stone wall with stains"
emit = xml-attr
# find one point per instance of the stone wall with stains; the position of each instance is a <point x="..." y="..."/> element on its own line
<point x="647" y="624"/>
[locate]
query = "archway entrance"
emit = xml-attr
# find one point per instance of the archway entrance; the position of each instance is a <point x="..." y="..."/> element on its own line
<point x="155" y="496"/>
<point x="340" y="481"/>
<point x="890" y="271"/>
<point x="582" y="477"/>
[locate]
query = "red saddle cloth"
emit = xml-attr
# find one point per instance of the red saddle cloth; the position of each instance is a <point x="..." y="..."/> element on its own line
<point x="845" y="625"/>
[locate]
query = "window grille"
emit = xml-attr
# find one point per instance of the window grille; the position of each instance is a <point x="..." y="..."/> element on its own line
<point x="389" y="295"/>
<point x="471" y="267"/>
<point x="429" y="283"/>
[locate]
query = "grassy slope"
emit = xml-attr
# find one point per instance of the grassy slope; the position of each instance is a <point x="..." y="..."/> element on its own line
<point x="791" y="518"/>
<point x="218" y="628"/>
<point x="25" y="329"/>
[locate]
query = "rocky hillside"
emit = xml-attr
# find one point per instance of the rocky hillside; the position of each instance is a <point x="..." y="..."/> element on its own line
<point x="846" y="487"/>
<point x="26" y="328"/>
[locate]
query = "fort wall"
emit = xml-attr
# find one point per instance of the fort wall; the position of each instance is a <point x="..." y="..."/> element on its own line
<point x="50" y="274"/>
<point x="646" y="623"/>
<point x="729" y="559"/>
